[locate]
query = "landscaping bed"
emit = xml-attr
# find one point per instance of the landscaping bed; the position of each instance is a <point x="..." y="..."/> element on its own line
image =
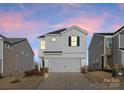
<point x="102" y="78"/>
<point x="30" y="80"/>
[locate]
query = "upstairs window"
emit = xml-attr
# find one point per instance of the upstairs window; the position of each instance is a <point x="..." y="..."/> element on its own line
<point x="74" y="41"/>
<point x="8" y="46"/>
<point x="42" y="44"/>
<point x="53" y="39"/>
<point x="109" y="43"/>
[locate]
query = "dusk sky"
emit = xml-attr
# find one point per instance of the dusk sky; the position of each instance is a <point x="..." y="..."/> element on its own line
<point x="33" y="20"/>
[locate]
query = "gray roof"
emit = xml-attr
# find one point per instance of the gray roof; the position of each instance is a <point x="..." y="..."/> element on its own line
<point x="105" y="33"/>
<point x="3" y="37"/>
<point x="12" y="41"/>
<point x="57" y="31"/>
<point x="111" y="33"/>
<point x="54" y="32"/>
<point x="15" y="40"/>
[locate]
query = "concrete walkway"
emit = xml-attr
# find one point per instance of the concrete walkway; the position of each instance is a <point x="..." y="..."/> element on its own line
<point x="65" y="81"/>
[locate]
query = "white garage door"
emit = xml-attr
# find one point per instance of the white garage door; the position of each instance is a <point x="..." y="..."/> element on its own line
<point x="64" y="65"/>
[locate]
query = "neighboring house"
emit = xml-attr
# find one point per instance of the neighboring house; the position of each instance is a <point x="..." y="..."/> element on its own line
<point x="15" y="55"/>
<point x="106" y="50"/>
<point x="64" y="49"/>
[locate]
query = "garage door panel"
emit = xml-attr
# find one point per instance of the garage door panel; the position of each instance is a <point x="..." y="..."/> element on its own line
<point x="64" y="65"/>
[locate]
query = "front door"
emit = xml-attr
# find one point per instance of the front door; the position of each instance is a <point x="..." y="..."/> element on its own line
<point x="102" y="59"/>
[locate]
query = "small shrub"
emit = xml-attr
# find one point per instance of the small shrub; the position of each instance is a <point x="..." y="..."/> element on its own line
<point x="117" y="71"/>
<point x="36" y="72"/>
<point x="44" y="70"/>
<point x="84" y="69"/>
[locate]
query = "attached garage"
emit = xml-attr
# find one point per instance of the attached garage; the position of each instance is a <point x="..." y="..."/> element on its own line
<point x="64" y="64"/>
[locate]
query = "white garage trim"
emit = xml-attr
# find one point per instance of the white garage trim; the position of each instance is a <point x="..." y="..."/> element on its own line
<point x="64" y="64"/>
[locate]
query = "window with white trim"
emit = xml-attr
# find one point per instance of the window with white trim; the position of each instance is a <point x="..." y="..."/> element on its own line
<point x="53" y="39"/>
<point x="42" y="44"/>
<point x="73" y="40"/>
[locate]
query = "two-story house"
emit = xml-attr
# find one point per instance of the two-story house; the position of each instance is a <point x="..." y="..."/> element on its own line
<point x="65" y="49"/>
<point x="16" y="54"/>
<point x="106" y="50"/>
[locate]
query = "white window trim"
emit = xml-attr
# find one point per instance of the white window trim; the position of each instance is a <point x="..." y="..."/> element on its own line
<point x="42" y="44"/>
<point x="74" y="41"/>
<point x="53" y="39"/>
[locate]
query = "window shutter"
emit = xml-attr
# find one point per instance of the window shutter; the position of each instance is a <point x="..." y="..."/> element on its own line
<point x="69" y="41"/>
<point x="78" y="41"/>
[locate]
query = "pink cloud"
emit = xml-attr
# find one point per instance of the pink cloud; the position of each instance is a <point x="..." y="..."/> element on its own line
<point x="14" y="21"/>
<point x="116" y="26"/>
<point x="90" y="24"/>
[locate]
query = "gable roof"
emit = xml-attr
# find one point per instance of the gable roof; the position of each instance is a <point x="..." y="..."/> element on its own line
<point x="41" y="36"/>
<point x="109" y="34"/>
<point x="63" y="30"/>
<point x="57" y="31"/>
<point x="77" y="28"/>
<point x="12" y="41"/>
<point x="54" y="32"/>
<point x="105" y="33"/>
<point x="16" y="40"/>
<point x="119" y="30"/>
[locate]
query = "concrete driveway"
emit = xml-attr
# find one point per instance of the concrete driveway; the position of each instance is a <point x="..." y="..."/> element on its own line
<point x="65" y="81"/>
<point x="70" y="81"/>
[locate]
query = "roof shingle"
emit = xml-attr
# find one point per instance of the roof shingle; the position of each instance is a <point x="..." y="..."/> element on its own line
<point x="12" y="40"/>
<point x="57" y="31"/>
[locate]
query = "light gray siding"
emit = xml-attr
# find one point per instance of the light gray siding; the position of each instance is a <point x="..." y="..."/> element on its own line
<point x="1" y="45"/>
<point x="96" y="51"/>
<point x="57" y="60"/>
<point x="115" y="49"/>
<point x="61" y="43"/>
<point x="121" y="41"/>
<point x="25" y="55"/>
<point x="9" y="61"/>
<point x="1" y="55"/>
<point x="122" y="58"/>
<point x="19" y="58"/>
<point x="54" y="46"/>
<point x="118" y="45"/>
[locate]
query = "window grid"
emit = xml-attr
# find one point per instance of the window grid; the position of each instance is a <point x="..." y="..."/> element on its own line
<point x="42" y="44"/>
<point x="74" y="41"/>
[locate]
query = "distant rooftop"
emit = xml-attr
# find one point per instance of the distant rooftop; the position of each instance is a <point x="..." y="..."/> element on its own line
<point x="111" y="33"/>
<point x="12" y="40"/>
<point x="105" y="33"/>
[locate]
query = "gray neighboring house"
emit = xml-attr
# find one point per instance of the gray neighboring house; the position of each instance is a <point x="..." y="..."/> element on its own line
<point x="106" y="50"/>
<point x="16" y="54"/>
<point x="64" y="49"/>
